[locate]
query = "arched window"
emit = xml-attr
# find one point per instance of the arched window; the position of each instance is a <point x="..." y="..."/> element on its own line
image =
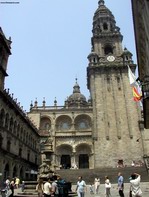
<point x="18" y="131"/>
<point x="8" y="145"/>
<point x="2" y="116"/>
<point x="1" y="140"/>
<point x="45" y="124"/>
<point x="15" y="127"/>
<point x="28" y="155"/>
<point x="82" y="125"/>
<point x="11" y="125"/>
<point x="108" y="50"/>
<point x="105" y="26"/>
<point x="20" y="152"/>
<point x="7" y="121"/>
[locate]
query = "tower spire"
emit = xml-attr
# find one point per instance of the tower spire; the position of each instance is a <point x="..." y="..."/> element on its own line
<point x="101" y="2"/>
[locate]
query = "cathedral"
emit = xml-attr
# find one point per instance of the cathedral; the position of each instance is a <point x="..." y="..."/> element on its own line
<point x="106" y="130"/>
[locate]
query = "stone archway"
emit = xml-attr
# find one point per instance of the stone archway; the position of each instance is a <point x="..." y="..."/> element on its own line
<point x="65" y="161"/>
<point x="6" y="171"/>
<point x="14" y="172"/>
<point x="83" y="161"/>
<point x="83" y="152"/>
<point x="64" y="154"/>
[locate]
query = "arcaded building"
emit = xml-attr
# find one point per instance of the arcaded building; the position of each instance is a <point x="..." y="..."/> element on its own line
<point x="106" y="129"/>
<point x="19" y="138"/>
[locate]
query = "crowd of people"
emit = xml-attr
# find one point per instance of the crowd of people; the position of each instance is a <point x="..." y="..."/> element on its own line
<point x="134" y="191"/>
<point x="9" y="186"/>
<point x="58" y="187"/>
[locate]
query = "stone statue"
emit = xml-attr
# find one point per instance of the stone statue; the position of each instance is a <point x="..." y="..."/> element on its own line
<point x="44" y="171"/>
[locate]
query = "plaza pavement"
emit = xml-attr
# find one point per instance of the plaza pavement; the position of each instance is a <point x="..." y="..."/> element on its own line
<point x="114" y="191"/>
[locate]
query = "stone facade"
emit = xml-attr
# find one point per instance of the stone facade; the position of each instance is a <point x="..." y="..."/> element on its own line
<point x="103" y="131"/>
<point x="66" y="131"/>
<point x="19" y="138"/>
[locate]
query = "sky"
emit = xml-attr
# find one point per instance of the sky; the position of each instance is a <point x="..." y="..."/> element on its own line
<point x="51" y="40"/>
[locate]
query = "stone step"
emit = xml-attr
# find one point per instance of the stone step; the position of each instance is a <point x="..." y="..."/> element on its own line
<point x="90" y="174"/>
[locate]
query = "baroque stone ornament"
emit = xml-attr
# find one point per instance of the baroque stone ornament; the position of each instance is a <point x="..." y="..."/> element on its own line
<point x="44" y="171"/>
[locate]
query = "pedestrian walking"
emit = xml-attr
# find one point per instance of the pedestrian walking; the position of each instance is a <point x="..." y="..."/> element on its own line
<point x="120" y="184"/>
<point x="81" y="186"/>
<point x="135" y="185"/>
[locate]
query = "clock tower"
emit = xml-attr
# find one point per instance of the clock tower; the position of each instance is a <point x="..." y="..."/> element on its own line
<point x="115" y="114"/>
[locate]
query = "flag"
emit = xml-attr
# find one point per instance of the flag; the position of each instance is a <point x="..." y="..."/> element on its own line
<point x="137" y="94"/>
<point x="132" y="77"/>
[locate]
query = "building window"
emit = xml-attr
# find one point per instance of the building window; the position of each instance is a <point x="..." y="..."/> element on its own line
<point x="28" y="156"/>
<point x="7" y="121"/>
<point x="8" y="145"/>
<point x="2" y="116"/>
<point x="108" y="50"/>
<point x="65" y="125"/>
<point x="20" y="152"/>
<point x="11" y="125"/>
<point x="105" y="26"/>
<point x="1" y="140"/>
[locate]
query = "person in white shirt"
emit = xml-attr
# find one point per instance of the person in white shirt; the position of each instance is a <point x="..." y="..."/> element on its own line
<point x="81" y="185"/>
<point x="135" y="185"/>
<point x="107" y="186"/>
<point x="96" y="184"/>
<point x="47" y="188"/>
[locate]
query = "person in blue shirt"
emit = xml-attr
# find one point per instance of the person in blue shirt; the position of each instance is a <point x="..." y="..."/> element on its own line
<point x="120" y="184"/>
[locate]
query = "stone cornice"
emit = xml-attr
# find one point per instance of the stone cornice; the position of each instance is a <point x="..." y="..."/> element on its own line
<point x="14" y="105"/>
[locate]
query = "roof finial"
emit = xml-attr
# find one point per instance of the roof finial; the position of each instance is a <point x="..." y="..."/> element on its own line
<point x="101" y="2"/>
<point x="76" y="80"/>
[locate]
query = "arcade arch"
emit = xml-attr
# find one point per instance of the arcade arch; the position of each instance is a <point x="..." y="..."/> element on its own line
<point x="64" y="153"/>
<point x="83" y="154"/>
<point x="63" y="123"/>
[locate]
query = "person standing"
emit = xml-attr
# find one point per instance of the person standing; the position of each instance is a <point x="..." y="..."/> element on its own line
<point x="17" y="182"/>
<point x="81" y="185"/>
<point x="91" y="188"/>
<point x="12" y="185"/>
<point x="121" y="184"/>
<point x="55" y="191"/>
<point x="39" y="188"/>
<point x="135" y="185"/>
<point x="7" y="182"/>
<point x="96" y="184"/>
<point x="107" y="186"/>
<point x="47" y="188"/>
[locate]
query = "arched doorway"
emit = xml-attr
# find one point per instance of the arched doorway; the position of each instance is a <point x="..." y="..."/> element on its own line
<point x="83" y="151"/>
<point x="64" y="153"/>
<point x="83" y="161"/>
<point x="14" y="172"/>
<point x="65" y="161"/>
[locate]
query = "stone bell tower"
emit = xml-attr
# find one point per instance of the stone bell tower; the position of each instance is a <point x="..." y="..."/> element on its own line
<point x="4" y="54"/>
<point x="115" y="114"/>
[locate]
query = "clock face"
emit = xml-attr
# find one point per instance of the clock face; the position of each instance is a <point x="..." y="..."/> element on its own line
<point x="110" y="58"/>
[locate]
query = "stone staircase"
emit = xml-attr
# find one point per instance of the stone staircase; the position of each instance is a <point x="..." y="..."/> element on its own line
<point x="89" y="174"/>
